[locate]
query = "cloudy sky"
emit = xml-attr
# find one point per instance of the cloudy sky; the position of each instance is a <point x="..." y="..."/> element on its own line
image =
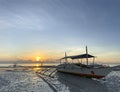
<point x="48" y="28"/>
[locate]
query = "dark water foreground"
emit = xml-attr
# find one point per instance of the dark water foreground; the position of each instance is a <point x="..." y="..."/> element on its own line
<point x="27" y="80"/>
<point x="78" y="84"/>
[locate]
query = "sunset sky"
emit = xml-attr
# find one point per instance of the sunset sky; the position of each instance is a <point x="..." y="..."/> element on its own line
<point x="48" y="28"/>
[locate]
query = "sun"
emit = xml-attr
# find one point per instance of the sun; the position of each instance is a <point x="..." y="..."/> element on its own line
<point x="38" y="58"/>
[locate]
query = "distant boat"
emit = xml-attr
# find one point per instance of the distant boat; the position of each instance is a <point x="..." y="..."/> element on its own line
<point x="84" y="70"/>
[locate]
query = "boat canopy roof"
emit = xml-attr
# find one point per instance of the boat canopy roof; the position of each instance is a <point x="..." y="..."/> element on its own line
<point x="79" y="56"/>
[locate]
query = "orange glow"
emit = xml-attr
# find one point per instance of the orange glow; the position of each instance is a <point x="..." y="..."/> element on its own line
<point x="38" y="58"/>
<point x="37" y="67"/>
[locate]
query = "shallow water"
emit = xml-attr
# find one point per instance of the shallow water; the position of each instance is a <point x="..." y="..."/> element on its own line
<point x="113" y="81"/>
<point x="71" y="83"/>
<point x="14" y="81"/>
<point x="29" y="81"/>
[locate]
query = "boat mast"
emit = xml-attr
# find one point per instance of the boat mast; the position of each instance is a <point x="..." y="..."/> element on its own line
<point x="86" y="55"/>
<point x="93" y="60"/>
<point x="65" y="57"/>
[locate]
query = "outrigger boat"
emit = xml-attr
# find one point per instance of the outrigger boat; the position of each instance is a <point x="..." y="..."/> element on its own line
<point x="84" y="70"/>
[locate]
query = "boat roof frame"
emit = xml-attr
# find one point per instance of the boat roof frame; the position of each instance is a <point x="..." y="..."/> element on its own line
<point x="82" y="56"/>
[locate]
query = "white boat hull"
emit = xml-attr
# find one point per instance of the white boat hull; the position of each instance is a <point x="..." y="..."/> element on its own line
<point x="84" y="71"/>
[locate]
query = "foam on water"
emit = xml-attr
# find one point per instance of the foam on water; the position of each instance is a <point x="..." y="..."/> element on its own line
<point x="113" y="81"/>
<point x="14" y="81"/>
<point x="21" y="81"/>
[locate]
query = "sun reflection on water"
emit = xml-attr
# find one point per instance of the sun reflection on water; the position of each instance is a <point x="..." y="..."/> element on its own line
<point x="37" y="67"/>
